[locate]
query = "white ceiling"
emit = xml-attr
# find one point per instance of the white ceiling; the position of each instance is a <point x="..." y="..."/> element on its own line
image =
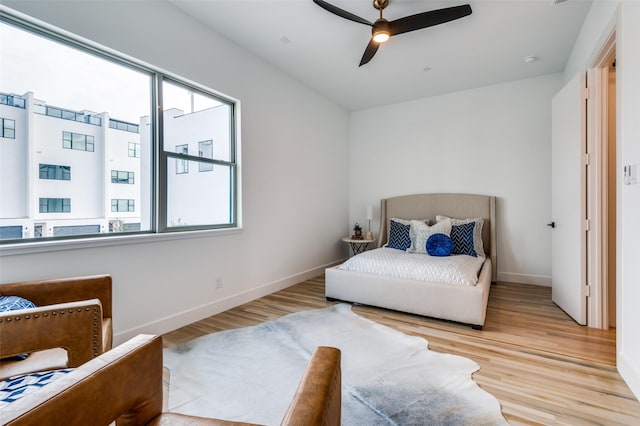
<point x="323" y="50"/>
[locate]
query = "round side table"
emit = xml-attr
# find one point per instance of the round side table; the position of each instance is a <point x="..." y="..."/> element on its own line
<point x="357" y="245"/>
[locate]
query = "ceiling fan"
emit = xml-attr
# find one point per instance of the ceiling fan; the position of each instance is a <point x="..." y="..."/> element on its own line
<point x="382" y="30"/>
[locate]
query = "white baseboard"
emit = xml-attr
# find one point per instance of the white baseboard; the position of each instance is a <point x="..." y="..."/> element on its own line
<point x="180" y="319"/>
<point x="630" y="373"/>
<point x="512" y="277"/>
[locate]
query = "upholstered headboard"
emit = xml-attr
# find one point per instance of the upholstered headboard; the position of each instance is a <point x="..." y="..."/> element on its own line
<point x="459" y="206"/>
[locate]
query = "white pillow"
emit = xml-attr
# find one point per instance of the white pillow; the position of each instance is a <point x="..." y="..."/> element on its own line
<point x="408" y="221"/>
<point x="420" y="233"/>
<point x="478" y="246"/>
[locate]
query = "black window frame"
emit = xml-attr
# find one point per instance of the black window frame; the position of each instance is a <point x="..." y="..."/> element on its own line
<point x="122" y="177"/>
<point x="130" y="205"/>
<point x="4" y="128"/>
<point x="133" y="147"/>
<point x="54" y="172"/>
<point x="205" y="167"/>
<point x="182" y="165"/>
<point x="50" y="205"/>
<point x="158" y="157"/>
<point x="78" y="141"/>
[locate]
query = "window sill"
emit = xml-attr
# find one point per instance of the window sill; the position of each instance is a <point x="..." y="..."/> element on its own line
<point x="119" y="240"/>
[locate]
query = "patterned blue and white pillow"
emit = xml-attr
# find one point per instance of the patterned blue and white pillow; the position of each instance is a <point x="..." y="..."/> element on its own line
<point x="478" y="245"/>
<point x="462" y="236"/>
<point x="13" y="303"/>
<point x="16" y="387"/>
<point x="398" y="235"/>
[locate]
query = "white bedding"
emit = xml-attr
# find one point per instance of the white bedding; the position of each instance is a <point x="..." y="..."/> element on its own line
<point x="460" y="270"/>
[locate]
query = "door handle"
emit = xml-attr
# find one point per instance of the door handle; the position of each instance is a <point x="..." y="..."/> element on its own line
<point x="552" y="224"/>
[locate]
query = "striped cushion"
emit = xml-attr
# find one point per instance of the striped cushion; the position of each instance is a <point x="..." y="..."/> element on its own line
<point x="398" y="235"/>
<point x="462" y="236"/>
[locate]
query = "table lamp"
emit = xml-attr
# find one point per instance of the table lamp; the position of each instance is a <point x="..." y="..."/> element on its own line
<point x="369" y="235"/>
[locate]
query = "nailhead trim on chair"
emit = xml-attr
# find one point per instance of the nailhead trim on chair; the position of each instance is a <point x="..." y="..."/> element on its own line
<point x="96" y="317"/>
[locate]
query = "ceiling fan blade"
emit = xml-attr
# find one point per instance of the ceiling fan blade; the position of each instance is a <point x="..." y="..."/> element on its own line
<point x="371" y="50"/>
<point x="428" y="19"/>
<point x="341" y="13"/>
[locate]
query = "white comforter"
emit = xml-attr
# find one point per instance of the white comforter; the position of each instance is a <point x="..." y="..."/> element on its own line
<point x="461" y="270"/>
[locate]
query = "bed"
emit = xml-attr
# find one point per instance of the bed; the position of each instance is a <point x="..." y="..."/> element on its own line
<point x="461" y="303"/>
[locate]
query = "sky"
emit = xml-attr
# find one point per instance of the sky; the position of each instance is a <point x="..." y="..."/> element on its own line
<point x="68" y="78"/>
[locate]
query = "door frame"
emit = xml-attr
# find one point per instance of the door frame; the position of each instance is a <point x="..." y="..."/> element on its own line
<point x="597" y="188"/>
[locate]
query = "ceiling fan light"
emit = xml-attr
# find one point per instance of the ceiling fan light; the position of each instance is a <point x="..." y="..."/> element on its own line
<point x="380" y="36"/>
<point x="381" y="30"/>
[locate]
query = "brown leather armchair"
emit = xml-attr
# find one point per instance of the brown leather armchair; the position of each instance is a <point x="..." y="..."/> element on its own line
<point x="125" y="385"/>
<point x="71" y="324"/>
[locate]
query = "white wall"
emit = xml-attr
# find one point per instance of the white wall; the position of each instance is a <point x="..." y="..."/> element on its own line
<point x="294" y="169"/>
<point x="628" y="92"/>
<point x="493" y="140"/>
<point x="13" y="204"/>
<point x="602" y="18"/>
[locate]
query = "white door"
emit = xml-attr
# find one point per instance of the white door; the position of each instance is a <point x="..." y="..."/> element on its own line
<point x="568" y="193"/>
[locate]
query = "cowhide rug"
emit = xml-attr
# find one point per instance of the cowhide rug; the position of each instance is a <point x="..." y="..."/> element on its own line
<point x="388" y="378"/>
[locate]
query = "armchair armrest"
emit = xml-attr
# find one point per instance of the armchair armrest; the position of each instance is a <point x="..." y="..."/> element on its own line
<point x="63" y="290"/>
<point x="74" y="326"/>
<point x="125" y="381"/>
<point x="50" y="292"/>
<point x="125" y="384"/>
<point x="318" y="399"/>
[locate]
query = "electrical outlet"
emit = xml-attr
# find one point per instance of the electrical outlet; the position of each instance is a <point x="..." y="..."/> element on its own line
<point x="219" y="282"/>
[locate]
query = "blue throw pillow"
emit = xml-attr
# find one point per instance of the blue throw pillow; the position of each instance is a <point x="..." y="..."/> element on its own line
<point x="398" y="236"/>
<point x="439" y="245"/>
<point x="12" y="303"/>
<point x="462" y="236"/>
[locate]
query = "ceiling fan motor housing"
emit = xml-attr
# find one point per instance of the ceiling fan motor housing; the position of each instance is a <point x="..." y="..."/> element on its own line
<point x="381" y="26"/>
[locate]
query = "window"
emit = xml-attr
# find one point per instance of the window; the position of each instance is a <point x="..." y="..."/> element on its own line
<point x="55" y="205"/>
<point x="192" y="115"/>
<point x="52" y="171"/>
<point x="7" y="128"/>
<point x="145" y="128"/>
<point x="134" y="150"/>
<point x="182" y="166"/>
<point x="72" y="115"/>
<point x="77" y="141"/>
<point x="12" y="100"/>
<point x="118" y="176"/>
<point x="120" y="205"/>
<point x="205" y="150"/>
<point x="123" y="125"/>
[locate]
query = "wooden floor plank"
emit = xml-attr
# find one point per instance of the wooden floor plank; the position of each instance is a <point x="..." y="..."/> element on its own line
<point x="542" y="366"/>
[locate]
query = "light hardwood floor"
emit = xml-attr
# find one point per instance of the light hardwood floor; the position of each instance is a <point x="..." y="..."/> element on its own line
<point x="542" y="366"/>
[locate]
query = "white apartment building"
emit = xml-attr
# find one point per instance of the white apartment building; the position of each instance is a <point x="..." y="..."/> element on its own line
<point x="65" y="172"/>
